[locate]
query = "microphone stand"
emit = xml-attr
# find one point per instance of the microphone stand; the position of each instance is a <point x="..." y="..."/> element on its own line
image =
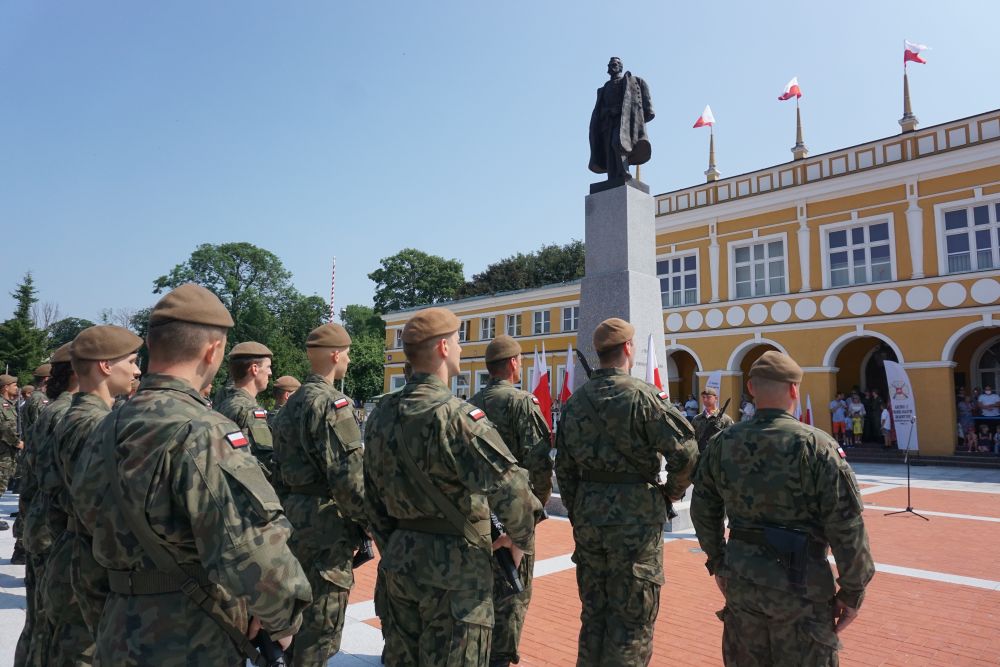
<point x="906" y="459"/>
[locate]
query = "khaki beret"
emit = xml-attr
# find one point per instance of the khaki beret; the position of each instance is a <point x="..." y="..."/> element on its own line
<point x="430" y="323"/>
<point x="329" y="335"/>
<point x="191" y="303"/>
<point x="62" y="355"/>
<point x="43" y="371"/>
<point x="250" y="349"/>
<point x="287" y="383"/>
<point x="7" y="379"/>
<point x="104" y="341"/>
<point x="709" y="391"/>
<point x="611" y="332"/>
<point x="502" y="347"/>
<point x="774" y="365"/>
<point x="28" y="388"/>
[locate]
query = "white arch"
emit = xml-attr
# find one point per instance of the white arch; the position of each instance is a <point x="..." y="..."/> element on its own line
<point x="741" y="351"/>
<point x="684" y="348"/>
<point x="948" y="353"/>
<point x="830" y="358"/>
<point x="977" y="358"/>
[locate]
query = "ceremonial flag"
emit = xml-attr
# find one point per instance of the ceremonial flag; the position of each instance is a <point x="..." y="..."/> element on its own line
<point x="911" y="53"/>
<point x="706" y="118"/>
<point x="569" y="375"/>
<point x="715" y="381"/>
<point x="797" y="412"/>
<point x="653" y="368"/>
<point x="540" y="387"/>
<point x="791" y="90"/>
<point x="807" y="416"/>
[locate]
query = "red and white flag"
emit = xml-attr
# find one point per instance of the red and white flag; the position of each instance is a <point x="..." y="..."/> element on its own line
<point x="911" y="53"/>
<point x="706" y="118"/>
<point x="807" y="416"/>
<point x="791" y="90"/>
<point x="540" y="387"/>
<point x="797" y="412"/>
<point x="569" y="376"/>
<point x="653" y="368"/>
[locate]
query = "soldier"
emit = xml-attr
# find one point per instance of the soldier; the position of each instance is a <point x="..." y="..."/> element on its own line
<point x="434" y="469"/>
<point x="615" y="433"/>
<point x="10" y="443"/>
<point x="318" y="446"/>
<point x="33" y="404"/>
<point x="250" y="370"/>
<point x="710" y="421"/>
<point x="519" y="421"/>
<point x="789" y="495"/>
<point x="282" y="388"/>
<point x="192" y="535"/>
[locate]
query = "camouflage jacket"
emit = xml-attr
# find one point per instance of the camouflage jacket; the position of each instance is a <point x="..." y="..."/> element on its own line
<point x="45" y="518"/>
<point x="74" y="451"/>
<point x="8" y="428"/>
<point x="519" y="421"/>
<point x="620" y="424"/>
<point x="30" y="411"/>
<point x="206" y="499"/>
<point x="240" y="407"/>
<point x="707" y="427"/>
<point x="775" y="470"/>
<point x="272" y="414"/>
<point x="461" y="452"/>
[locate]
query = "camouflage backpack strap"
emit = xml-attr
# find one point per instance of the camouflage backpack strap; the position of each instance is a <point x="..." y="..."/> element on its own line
<point x="170" y="577"/>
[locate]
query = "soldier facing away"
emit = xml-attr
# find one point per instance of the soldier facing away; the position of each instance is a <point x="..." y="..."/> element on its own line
<point x="283" y="389"/>
<point x="614" y="433"/>
<point x="249" y="371"/>
<point x="519" y="421"/>
<point x="434" y="469"/>
<point x="790" y="496"/>
<point x="710" y="421"/>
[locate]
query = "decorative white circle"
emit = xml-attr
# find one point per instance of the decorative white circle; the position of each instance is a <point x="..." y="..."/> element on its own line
<point x="919" y="298"/>
<point x="951" y="294"/>
<point x="675" y="321"/>
<point x="713" y="318"/>
<point x="805" y="309"/>
<point x="781" y="311"/>
<point x="831" y="306"/>
<point x="986" y="291"/>
<point x="758" y="313"/>
<point x="888" y="301"/>
<point x="859" y="303"/>
<point x="735" y="316"/>
<point x="694" y="319"/>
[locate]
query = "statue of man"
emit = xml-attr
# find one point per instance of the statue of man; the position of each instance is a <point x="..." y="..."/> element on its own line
<point x="618" y="125"/>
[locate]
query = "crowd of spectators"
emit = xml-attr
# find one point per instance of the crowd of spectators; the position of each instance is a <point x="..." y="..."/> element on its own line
<point x="861" y="417"/>
<point x="978" y="420"/>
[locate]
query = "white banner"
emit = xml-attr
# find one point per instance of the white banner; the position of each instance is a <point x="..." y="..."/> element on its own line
<point x="904" y="409"/>
<point x="715" y="381"/>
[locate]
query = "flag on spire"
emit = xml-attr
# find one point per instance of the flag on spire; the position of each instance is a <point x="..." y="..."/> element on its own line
<point x="540" y="387"/>
<point x="569" y="376"/>
<point x="791" y="90"/>
<point x="706" y="118"/>
<point x="911" y="52"/>
<point x="652" y="367"/>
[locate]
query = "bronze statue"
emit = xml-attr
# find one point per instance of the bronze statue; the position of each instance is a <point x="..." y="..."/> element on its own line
<point x="618" y="125"/>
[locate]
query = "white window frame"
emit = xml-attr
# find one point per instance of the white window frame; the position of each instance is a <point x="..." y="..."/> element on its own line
<point x="482" y="377"/>
<point x="743" y="243"/>
<point x="824" y="239"/>
<point x="939" y="212"/>
<point x="464" y="331"/>
<point x="396" y="381"/>
<point x="398" y="342"/>
<point x="546" y="322"/>
<point x="516" y="319"/>
<point x="484" y="329"/>
<point x="468" y="384"/>
<point x="560" y="376"/>
<point x="697" y="276"/>
<point x="574" y="318"/>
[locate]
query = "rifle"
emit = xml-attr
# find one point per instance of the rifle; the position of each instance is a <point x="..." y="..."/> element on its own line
<point x="271" y="654"/>
<point x="505" y="561"/>
<point x="583" y="362"/>
<point x="364" y="553"/>
<point x="725" y="405"/>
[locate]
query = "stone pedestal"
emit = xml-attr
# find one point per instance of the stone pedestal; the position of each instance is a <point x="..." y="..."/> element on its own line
<point x="620" y="273"/>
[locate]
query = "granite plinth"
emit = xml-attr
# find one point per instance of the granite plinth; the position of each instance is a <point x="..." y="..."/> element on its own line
<point x="610" y="184"/>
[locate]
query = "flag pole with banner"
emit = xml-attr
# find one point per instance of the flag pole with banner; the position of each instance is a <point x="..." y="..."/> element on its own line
<point x="904" y="411"/>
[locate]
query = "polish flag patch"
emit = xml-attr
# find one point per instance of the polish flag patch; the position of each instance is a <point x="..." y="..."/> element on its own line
<point x="237" y="439"/>
<point x="843" y="454"/>
<point x="534" y="399"/>
<point x="478" y="414"/>
<point x="663" y="395"/>
<point x="341" y="403"/>
<point x="260" y="414"/>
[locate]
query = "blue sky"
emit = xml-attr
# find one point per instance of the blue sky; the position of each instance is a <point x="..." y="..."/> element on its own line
<point x="132" y="132"/>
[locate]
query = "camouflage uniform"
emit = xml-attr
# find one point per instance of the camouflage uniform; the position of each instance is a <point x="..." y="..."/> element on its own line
<point x="8" y="442"/>
<point x="438" y="585"/>
<point x="774" y="470"/>
<point x="318" y="445"/>
<point x="707" y="427"/>
<point x="212" y="510"/>
<point x="613" y="432"/>
<point x="242" y="408"/>
<point x="30" y="411"/>
<point x="519" y="421"/>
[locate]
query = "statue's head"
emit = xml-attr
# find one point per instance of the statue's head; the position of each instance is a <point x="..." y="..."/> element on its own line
<point x="615" y="66"/>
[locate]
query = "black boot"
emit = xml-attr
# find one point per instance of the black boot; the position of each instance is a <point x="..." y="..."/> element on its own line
<point x="19" y="557"/>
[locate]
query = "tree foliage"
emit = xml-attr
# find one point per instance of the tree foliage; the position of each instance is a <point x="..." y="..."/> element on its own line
<point x="546" y="266"/>
<point x="414" y="278"/>
<point x="361" y="321"/>
<point x="364" y="375"/>
<point x="22" y="344"/>
<point x="65" y="330"/>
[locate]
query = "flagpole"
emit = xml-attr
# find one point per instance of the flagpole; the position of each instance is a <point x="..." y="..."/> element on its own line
<point x="799" y="150"/>
<point x="908" y="122"/>
<point x="711" y="174"/>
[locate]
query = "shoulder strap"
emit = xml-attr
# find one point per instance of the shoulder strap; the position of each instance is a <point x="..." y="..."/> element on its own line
<point x="150" y="543"/>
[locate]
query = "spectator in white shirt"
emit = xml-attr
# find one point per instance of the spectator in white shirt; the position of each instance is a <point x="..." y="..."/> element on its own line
<point x="886" y="422"/>
<point x="989" y="403"/>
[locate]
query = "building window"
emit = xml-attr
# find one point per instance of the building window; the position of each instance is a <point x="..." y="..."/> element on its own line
<point x="460" y="385"/>
<point x="678" y="280"/>
<point x="487" y="328"/>
<point x="463" y="330"/>
<point x="988" y="370"/>
<point x="482" y="378"/>
<point x="513" y="325"/>
<point x="859" y="254"/>
<point x="399" y="338"/>
<point x="759" y="269"/>
<point x="571" y="318"/>
<point x="396" y="382"/>
<point x="970" y="238"/>
<point x="542" y="322"/>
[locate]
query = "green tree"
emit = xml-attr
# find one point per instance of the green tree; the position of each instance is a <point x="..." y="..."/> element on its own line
<point x="546" y="266"/>
<point x="362" y="321"/>
<point x="364" y="375"/>
<point x="413" y="278"/>
<point x="66" y="330"/>
<point x="22" y="344"/>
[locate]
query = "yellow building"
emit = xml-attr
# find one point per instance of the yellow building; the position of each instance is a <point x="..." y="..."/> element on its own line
<point x="885" y="250"/>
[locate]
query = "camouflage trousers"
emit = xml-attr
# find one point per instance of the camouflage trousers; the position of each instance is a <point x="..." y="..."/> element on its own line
<point x="768" y="627"/>
<point x="508" y="615"/>
<point x="89" y="581"/>
<point x="72" y="641"/>
<point x="619" y="572"/>
<point x="8" y="463"/>
<point x="36" y="635"/>
<point x="433" y="627"/>
<point x="322" y="623"/>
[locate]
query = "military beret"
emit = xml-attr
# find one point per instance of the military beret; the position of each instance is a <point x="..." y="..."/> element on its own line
<point x="502" y="347"/>
<point x="611" y="332"/>
<point x="62" y="355"/>
<point x="329" y="335"/>
<point x="250" y="349"/>
<point x="7" y="379"/>
<point x="287" y="383"/>
<point x="709" y="391"/>
<point x="774" y="365"/>
<point x="104" y="341"/>
<point x="43" y="371"/>
<point x="191" y="303"/>
<point x="28" y="388"/>
<point x="430" y="323"/>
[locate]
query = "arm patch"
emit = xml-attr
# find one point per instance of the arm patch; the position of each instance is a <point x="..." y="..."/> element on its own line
<point x="341" y="403"/>
<point x="476" y="414"/>
<point x="237" y="439"/>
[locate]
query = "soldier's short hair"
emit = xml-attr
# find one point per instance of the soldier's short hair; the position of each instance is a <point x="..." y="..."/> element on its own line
<point x="497" y="367"/>
<point x="611" y="354"/>
<point x="239" y="367"/>
<point x="175" y="341"/>
<point x="418" y="352"/>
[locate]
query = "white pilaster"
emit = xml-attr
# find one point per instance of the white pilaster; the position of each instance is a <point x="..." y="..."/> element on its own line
<point x="713" y="260"/>
<point x="805" y="255"/>
<point x="915" y="230"/>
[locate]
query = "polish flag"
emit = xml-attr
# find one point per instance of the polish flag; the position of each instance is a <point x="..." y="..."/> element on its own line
<point x="569" y="375"/>
<point x="791" y="90"/>
<point x="911" y="52"/>
<point x="807" y="416"/>
<point x="797" y="412"/>
<point x="540" y="387"/>
<point x="653" y="368"/>
<point x="706" y="118"/>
